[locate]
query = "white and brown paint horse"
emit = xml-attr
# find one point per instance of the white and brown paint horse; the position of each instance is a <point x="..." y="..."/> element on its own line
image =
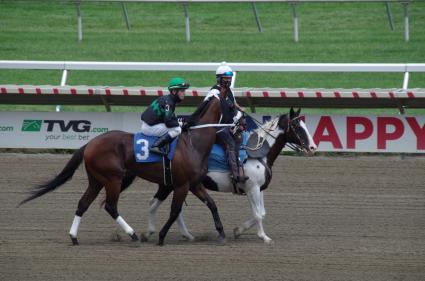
<point x="269" y="140"/>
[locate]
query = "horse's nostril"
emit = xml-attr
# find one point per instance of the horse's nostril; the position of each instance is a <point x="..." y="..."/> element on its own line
<point x="312" y="148"/>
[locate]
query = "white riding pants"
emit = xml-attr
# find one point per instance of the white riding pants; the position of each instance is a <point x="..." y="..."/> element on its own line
<point x="160" y="130"/>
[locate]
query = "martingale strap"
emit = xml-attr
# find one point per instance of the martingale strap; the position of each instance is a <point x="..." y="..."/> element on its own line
<point x="168" y="177"/>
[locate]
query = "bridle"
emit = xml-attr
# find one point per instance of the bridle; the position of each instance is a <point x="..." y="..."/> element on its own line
<point x="295" y="147"/>
<point x="290" y="126"/>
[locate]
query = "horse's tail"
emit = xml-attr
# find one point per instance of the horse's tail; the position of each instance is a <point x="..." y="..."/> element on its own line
<point x="64" y="176"/>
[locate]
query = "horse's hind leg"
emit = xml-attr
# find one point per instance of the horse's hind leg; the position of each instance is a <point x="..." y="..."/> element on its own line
<point x="154" y="204"/>
<point x="238" y="231"/>
<point x="113" y="189"/>
<point x="84" y="203"/>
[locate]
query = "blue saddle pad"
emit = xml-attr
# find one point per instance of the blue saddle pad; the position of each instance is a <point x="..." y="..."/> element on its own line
<point x="142" y="143"/>
<point x="217" y="160"/>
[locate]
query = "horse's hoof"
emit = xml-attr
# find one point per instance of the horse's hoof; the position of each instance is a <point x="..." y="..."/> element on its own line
<point x="116" y="237"/>
<point x="189" y="237"/>
<point x="144" y="237"/>
<point x="134" y="237"/>
<point x="221" y="241"/>
<point x="269" y="242"/>
<point x="236" y="232"/>
<point x="74" y="240"/>
<point x="160" y="243"/>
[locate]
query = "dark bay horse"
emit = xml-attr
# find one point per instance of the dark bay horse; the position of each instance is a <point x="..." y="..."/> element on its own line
<point x="275" y="134"/>
<point x="110" y="162"/>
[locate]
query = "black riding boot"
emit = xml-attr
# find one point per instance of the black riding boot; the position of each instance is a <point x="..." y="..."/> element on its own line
<point x="241" y="173"/>
<point x="160" y="142"/>
<point x="234" y="167"/>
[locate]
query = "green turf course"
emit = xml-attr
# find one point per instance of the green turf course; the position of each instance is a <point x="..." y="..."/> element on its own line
<point x="329" y="33"/>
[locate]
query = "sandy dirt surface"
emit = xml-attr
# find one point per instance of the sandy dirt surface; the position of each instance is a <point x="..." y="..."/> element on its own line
<point x="332" y="218"/>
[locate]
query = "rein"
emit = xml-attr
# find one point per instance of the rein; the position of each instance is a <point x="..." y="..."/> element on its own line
<point x="210" y="125"/>
<point x="260" y="125"/>
<point x="260" y="143"/>
<point x="262" y="139"/>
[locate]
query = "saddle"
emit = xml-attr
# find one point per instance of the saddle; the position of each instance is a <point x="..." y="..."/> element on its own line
<point x="142" y="143"/>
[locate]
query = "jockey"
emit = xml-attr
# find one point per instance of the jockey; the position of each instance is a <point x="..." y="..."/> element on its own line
<point x="229" y="139"/>
<point x="159" y="118"/>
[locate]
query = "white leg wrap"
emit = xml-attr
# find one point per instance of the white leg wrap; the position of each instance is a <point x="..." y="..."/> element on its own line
<point x="127" y="229"/>
<point x="74" y="228"/>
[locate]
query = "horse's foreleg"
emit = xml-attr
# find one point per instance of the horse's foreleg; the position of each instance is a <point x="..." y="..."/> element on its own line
<point x="112" y="194"/>
<point x="202" y="194"/>
<point x="84" y="203"/>
<point x="179" y="196"/>
<point x="256" y="200"/>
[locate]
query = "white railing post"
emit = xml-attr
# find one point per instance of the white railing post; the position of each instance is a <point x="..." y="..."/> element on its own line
<point x="64" y="77"/>
<point x="79" y="21"/>
<point x="63" y="83"/>
<point x="187" y="21"/>
<point x="406" y="21"/>
<point x="406" y="81"/>
<point x="294" y="13"/>
<point x="232" y="85"/>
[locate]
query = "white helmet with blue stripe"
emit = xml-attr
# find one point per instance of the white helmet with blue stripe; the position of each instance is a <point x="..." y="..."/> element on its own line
<point x="224" y="71"/>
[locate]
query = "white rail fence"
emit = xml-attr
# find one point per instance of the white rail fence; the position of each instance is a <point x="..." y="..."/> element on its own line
<point x="63" y="94"/>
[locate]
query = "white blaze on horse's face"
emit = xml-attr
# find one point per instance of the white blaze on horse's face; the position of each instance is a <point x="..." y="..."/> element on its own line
<point x="311" y="144"/>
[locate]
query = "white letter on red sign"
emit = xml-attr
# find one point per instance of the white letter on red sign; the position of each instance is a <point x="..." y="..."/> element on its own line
<point x="325" y="123"/>
<point x="419" y="132"/>
<point x="352" y="135"/>
<point x="383" y="135"/>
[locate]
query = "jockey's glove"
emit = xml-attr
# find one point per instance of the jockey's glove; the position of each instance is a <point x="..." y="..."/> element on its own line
<point x="237" y="117"/>
<point x="181" y="121"/>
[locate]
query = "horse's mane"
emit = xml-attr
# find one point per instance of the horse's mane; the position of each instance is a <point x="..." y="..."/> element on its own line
<point x="269" y="125"/>
<point x="194" y="117"/>
<point x="258" y="136"/>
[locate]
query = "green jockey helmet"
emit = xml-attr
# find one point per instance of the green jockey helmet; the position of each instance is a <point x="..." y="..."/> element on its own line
<point x="177" y="83"/>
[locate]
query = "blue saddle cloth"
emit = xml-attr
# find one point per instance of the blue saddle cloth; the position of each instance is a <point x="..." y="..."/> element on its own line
<point x="217" y="160"/>
<point x="142" y="143"/>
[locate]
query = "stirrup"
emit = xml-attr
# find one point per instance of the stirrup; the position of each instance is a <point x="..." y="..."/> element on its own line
<point x="240" y="179"/>
<point x="157" y="150"/>
<point x="236" y="190"/>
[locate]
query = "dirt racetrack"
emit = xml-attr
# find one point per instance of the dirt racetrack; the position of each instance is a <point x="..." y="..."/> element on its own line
<point x="332" y="218"/>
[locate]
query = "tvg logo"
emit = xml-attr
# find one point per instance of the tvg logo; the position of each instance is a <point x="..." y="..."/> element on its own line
<point x="78" y="126"/>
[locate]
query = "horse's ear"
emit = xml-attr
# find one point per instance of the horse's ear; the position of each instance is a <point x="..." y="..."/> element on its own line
<point x="291" y="113"/>
<point x="298" y="111"/>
